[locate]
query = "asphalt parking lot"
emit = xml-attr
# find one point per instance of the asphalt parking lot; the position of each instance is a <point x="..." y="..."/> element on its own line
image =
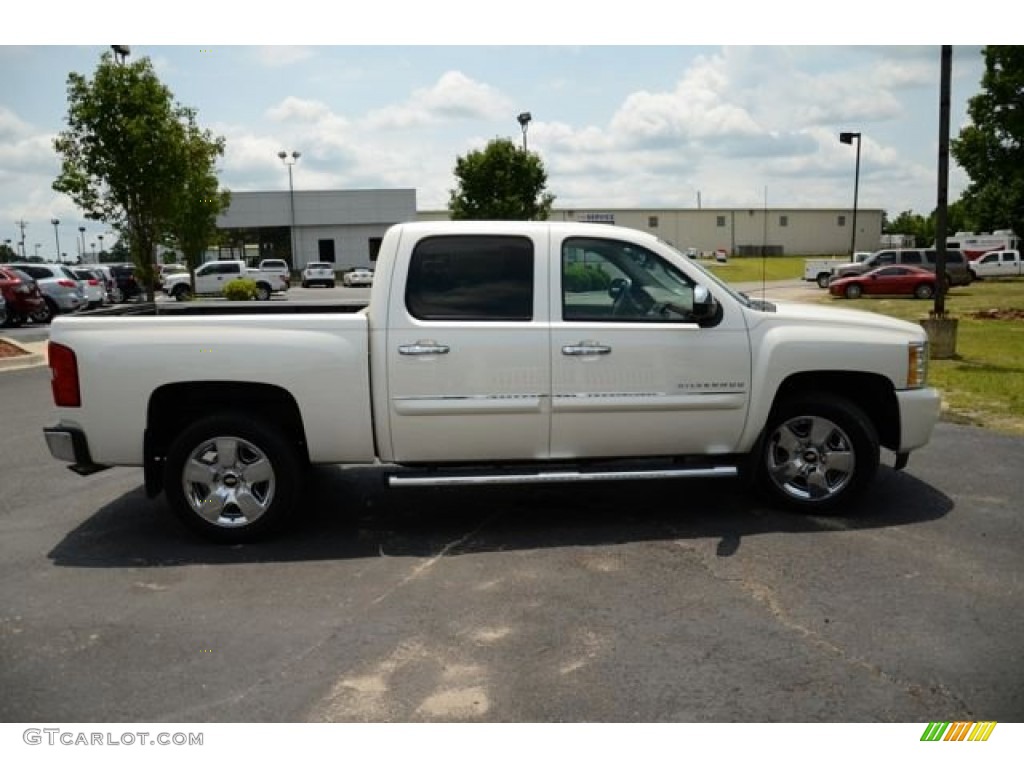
<point x="634" y="602"/>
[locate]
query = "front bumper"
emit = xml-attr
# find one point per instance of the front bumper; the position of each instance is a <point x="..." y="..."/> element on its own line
<point x="919" y="411"/>
<point x="68" y="444"/>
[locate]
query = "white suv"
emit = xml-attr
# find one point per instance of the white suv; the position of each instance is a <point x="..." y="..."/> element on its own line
<point x="318" y="273"/>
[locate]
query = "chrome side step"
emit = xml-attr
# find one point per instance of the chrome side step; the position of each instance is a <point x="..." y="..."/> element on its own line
<point x="562" y="476"/>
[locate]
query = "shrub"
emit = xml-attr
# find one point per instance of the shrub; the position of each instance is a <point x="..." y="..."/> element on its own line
<point x="585" y="277"/>
<point x="242" y="289"/>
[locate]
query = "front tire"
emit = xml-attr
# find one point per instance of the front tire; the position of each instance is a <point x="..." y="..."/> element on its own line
<point x="853" y="291"/>
<point x="818" y="454"/>
<point x="182" y="293"/>
<point x="924" y="291"/>
<point x="232" y="478"/>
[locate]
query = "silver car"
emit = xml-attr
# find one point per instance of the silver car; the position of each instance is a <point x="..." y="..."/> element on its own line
<point x="58" y="284"/>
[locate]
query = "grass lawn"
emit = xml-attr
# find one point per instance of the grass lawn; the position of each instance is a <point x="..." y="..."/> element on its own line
<point x="984" y="383"/>
<point x="745" y="269"/>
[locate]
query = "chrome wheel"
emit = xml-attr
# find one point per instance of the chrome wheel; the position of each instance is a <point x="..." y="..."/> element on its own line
<point x="810" y="458"/>
<point x="228" y="482"/>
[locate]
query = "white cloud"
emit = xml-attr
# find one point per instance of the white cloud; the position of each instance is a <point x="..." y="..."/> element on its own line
<point x="453" y="97"/>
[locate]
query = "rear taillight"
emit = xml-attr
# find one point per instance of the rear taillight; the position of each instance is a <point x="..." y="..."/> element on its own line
<point x="93" y="281"/>
<point x="67" y="283"/>
<point x="64" y="376"/>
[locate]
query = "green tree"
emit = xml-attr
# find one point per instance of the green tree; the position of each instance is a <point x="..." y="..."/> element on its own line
<point x="193" y="226"/>
<point x="124" y="154"/>
<point x="7" y="254"/>
<point x="500" y="182"/>
<point x="991" y="148"/>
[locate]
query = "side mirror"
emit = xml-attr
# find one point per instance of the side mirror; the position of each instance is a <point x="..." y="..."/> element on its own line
<point x="704" y="305"/>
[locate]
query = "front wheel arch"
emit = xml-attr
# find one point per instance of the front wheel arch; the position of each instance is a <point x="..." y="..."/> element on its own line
<point x="817" y="454"/>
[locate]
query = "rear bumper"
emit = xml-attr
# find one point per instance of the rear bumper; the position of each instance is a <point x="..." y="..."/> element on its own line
<point x="69" y="444"/>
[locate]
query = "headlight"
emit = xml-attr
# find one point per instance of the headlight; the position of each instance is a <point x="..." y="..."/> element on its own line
<point x="917" y="364"/>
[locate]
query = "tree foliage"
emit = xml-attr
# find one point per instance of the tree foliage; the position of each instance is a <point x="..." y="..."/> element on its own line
<point x="193" y="223"/>
<point x="500" y="182"/>
<point x="991" y="148"/>
<point x="126" y="154"/>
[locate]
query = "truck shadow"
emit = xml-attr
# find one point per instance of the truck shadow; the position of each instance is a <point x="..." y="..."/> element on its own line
<point x="352" y="514"/>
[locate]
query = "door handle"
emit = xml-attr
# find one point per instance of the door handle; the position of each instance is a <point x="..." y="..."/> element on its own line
<point x="423" y="348"/>
<point x="586" y="349"/>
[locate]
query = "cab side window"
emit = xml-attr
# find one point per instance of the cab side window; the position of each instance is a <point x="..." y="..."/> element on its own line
<point x="612" y="280"/>
<point x="471" y="277"/>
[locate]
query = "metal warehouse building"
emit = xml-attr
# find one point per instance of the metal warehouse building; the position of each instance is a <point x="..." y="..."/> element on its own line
<point x="345" y="227"/>
<point x="740" y="231"/>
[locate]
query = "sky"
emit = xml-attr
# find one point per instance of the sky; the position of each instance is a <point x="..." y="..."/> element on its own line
<point x="623" y="116"/>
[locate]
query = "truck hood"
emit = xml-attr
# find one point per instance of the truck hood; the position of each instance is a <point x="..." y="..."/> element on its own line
<point x="791" y="312"/>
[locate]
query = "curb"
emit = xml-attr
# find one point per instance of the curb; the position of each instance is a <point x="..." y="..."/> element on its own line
<point x="29" y="360"/>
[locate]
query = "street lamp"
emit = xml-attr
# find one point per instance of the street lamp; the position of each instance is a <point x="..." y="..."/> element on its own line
<point x="121" y="52"/>
<point x="100" y="238"/>
<point x="524" y="119"/>
<point x="847" y="137"/>
<point x="291" y="193"/>
<point x="37" y="251"/>
<point x="56" y="236"/>
<point x="81" y="243"/>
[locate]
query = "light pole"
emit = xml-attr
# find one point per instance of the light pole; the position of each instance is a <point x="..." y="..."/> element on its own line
<point x="100" y="238"/>
<point x="524" y="119"/>
<point x="93" y="251"/>
<point x="81" y="244"/>
<point x="121" y="52"/>
<point x="37" y="251"/>
<point x="291" y="194"/>
<point x="56" y="236"/>
<point x="847" y="137"/>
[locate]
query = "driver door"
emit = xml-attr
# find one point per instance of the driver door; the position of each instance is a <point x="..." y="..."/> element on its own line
<point x="632" y="373"/>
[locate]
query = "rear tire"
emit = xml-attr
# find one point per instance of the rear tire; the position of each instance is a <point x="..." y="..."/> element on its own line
<point x="45" y="314"/>
<point x="232" y="478"/>
<point x="823" y="280"/>
<point x="262" y="292"/>
<point x="818" y="454"/>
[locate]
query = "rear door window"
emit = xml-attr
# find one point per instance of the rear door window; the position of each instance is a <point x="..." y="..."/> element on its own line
<point x="471" y="277"/>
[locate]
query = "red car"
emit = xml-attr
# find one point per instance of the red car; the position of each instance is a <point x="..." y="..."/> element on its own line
<point x="886" y="281"/>
<point x="24" y="301"/>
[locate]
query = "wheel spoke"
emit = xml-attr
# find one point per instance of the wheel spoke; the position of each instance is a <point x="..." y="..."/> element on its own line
<point x="249" y="505"/>
<point x="227" y="452"/>
<point x="198" y="472"/>
<point x="841" y="461"/>
<point x="259" y="471"/>
<point x="821" y="430"/>
<point x="787" y="439"/>
<point x="784" y="473"/>
<point x="212" y="506"/>
<point x="817" y="484"/>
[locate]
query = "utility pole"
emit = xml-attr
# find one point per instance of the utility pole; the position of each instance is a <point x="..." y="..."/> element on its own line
<point x="22" y="224"/>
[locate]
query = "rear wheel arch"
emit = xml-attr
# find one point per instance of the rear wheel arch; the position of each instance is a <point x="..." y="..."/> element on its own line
<point x="173" y="408"/>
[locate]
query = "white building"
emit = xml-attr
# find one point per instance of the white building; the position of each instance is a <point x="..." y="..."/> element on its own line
<point x="340" y="226"/>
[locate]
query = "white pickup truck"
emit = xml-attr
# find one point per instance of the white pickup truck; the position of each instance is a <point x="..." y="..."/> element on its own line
<point x="491" y="352"/>
<point x="996" y="264"/>
<point x="820" y="270"/>
<point x="212" y="276"/>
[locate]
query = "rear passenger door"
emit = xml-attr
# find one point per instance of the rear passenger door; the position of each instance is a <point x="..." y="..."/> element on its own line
<point x="468" y="370"/>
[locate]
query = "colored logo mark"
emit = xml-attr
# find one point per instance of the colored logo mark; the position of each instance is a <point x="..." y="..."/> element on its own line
<point x="958" y="731"/>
